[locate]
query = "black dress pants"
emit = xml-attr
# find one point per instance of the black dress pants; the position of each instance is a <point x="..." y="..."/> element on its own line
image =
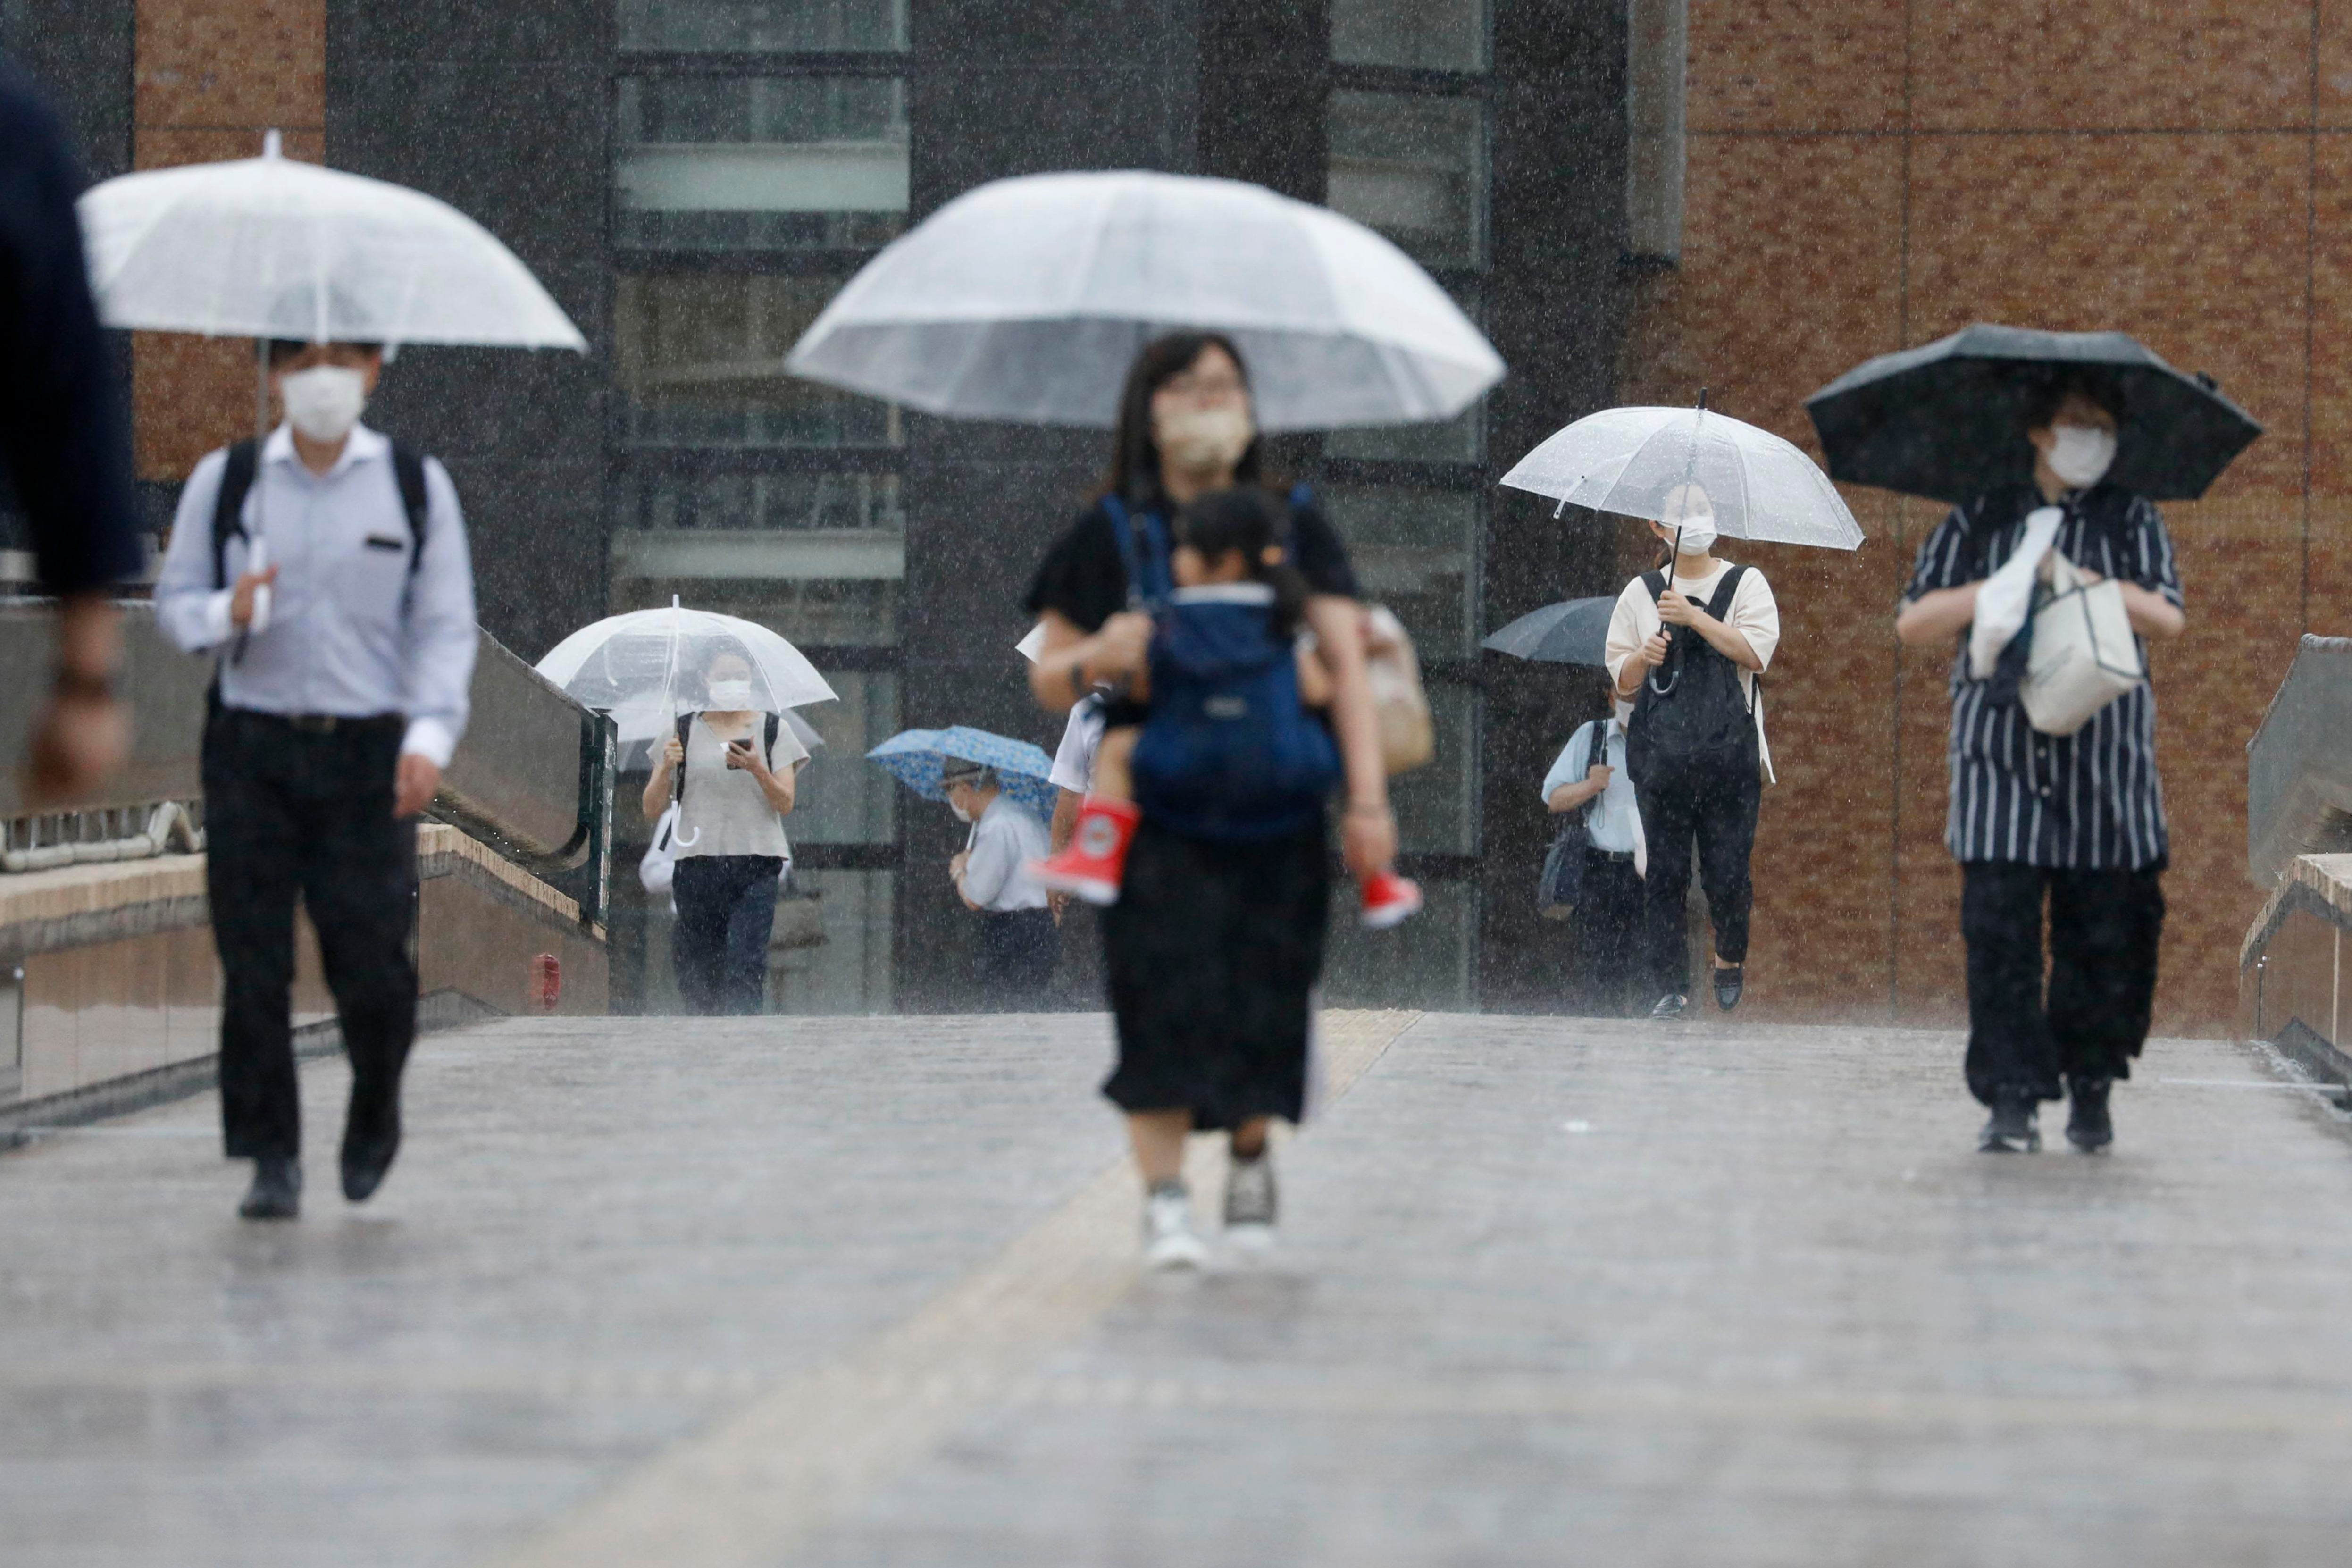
<point x="726" y="915"/>
<point x="1017" y="950"/>
<point x="1717" y="810"/>
<point x="1611" y="978"/>
<point x="293" y="813"/>
<point x="2103" y="930"/>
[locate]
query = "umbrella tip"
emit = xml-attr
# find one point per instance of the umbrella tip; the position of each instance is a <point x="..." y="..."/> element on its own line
<point x="272" y="144"/>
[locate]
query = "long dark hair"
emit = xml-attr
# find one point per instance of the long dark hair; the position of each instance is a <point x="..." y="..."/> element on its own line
<point x="1248" y="519"/>
<point x="1134" y="474"/>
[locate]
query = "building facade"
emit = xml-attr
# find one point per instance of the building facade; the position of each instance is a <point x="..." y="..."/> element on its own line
<point x="1635" y="198"/>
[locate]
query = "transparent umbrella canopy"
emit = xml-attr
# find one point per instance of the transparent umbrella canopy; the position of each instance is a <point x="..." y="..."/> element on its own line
<point x="1643" y="462"/>
<point x="646" y="668"/>
<point x="1026" y="299"/>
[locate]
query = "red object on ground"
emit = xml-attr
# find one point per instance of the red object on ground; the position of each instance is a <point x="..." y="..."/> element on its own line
<point x="1095" y="863"/>
<point x="546" y="980"/>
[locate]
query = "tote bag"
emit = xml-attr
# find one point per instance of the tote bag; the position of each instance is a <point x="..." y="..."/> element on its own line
<point x="2084" y="654"/>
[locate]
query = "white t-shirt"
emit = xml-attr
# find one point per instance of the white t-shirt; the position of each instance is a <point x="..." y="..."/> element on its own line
<point x="1074" y="762"/>
<point x="725" y="810"/>
<point x="1754" y="613"/>
<point x="1006" y="839"/>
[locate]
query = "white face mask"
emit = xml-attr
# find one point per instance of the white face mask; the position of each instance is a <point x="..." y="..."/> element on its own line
<point x="730" y="696"/>
<point x="1197" y="440"/>
<point x="325" y="400"/>
<point x="961" y="814"/>
<point x="1697" y="534"/>
<point x="2082" y="454"/>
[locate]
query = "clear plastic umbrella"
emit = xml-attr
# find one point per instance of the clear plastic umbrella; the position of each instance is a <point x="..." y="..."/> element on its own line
<point x="646" y="667"/>
<point x="275" y="248"/>
<point x="1639" y="462"/>
<point x="1026" y="299"/>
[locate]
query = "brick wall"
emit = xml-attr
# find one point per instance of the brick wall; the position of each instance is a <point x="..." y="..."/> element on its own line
<point x="212" y="76"/>
<point x="1868" y="174"/>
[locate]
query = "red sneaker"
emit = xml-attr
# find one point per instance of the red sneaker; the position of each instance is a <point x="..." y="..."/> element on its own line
<point x="1093" y="865"/>
<point x="1390" y="899"/>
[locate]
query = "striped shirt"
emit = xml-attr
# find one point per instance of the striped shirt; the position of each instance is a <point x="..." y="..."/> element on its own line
<point x="2082" y="802"/>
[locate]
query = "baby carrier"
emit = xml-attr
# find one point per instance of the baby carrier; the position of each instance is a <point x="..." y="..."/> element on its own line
<point x="1230" y="751"/>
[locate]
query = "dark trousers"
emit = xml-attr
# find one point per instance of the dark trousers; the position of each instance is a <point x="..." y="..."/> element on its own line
<point x="1715" y="809"/>
<point x="1604" y="940"/>
<point x="2103" y="929"/>
<point x="726" y="913"/>
<point x="292" y="812"/>
<point x="1017" y="950"/>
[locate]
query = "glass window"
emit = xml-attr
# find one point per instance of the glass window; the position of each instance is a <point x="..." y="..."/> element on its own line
<point x="761" y="163"/>
<point x="830" y="956"/>
<point x="840" y="797"/>
<point x="1430" y="35"/>
<point x="1415" y="169"/>
<point x="1437" y="806"/>
<point x="702" y="364"/>
<point x="1430" y="961"/>
<point x="746" y="26"/>
<point x="811" y="612"/>
<point x="1415" y="551"/>
<point x="749" y="501"/>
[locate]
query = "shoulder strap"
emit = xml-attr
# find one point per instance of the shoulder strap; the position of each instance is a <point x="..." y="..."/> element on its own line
<point x="1148" y="582"/>
<point x="408" y="472"/>
<point x="685" y="724"/>
<point x="228" y="507"/>
<point x="1719" y="605"/>
<point x="1656" y="582"/>
<point x="768" y="746"/>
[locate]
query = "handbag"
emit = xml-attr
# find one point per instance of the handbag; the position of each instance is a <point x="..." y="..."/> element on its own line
<point x="1400" y="704"/>
<point x="1561" y="883"/>
<point x="2084" y="654"/>
<point x="658" y="869"/>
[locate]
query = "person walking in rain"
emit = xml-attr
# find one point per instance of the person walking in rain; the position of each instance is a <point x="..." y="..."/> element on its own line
<point x="1018" y="945"/>
<point x="1606" y="925"/>
<point x="2070" y="824"/>
<point x="343" y="667"/>
<point x="736" y="771"/>
<point x="1686" y="653"/>
<point x="65" y="448"/>
<point x="1213" y="947"/>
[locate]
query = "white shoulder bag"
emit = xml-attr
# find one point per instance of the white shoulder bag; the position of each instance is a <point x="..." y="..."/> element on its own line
<point x="2085" y="653"/>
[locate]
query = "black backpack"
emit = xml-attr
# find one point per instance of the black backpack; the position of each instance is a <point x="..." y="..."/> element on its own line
<point x="236" y="482"/>
<point x="685" y="723"/>
<point x="1691" y="714"/>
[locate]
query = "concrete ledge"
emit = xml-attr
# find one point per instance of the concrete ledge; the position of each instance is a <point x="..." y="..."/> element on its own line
<point x="21" y="1121"/>
<point x="2319" y="883"/>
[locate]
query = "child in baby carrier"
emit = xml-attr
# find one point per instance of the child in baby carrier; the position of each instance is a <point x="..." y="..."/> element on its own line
<point x="1229" y="750"/>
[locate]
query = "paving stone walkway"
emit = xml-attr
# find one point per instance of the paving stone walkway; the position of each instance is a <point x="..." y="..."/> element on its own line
<point x="855" y="1292"/>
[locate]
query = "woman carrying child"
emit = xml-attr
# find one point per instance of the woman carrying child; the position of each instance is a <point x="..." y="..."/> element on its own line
<point x="1216" y="942"/>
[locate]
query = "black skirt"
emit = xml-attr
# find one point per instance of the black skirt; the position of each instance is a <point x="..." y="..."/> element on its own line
<point x="1213" y="952"/>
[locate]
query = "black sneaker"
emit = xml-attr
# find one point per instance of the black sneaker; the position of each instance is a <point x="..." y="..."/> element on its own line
<point x="2015" y="1127"/>
<point x="1670" y="1007"/>
<point x="2088" y="1126"/>
<point x="1729" y="978"/>
<point x="277" y="1190"/>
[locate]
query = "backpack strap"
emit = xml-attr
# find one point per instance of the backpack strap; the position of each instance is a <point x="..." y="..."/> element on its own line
<point x="1656" y="582"/>
<point x="408" y="472"/>
<point x="1150" y="582"/>
<point x="228" y="506"/>
<point x="684" y="724"/>
<point x="1719" y="606"/>
<point x="768" y="746"/>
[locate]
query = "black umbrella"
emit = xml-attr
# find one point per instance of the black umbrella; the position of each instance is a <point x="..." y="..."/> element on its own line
<point x="1576" y="632"/>
<point x="1947" y="420"/>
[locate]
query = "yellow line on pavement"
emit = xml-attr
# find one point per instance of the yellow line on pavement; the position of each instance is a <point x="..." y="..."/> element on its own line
<point x="774" y="1471"/>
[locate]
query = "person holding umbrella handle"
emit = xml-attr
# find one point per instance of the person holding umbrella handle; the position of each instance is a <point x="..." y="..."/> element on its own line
<point x="2074" y="823"/>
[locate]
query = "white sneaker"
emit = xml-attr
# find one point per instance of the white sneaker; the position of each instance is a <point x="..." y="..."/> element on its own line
<point x="1250" y="1205"/>
<point x="1168" y="1238"/>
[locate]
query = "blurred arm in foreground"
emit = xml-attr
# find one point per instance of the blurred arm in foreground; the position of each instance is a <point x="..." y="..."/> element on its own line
<point x="64" y="443"/>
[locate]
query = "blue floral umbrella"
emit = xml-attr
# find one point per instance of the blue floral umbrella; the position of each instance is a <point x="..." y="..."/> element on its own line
<point x="917" y="758"/>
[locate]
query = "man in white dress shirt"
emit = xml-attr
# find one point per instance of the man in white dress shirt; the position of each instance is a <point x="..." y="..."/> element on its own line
<point x="992" y="877"/>
<point x="329" y="572"/>
<point x="1606" y="954"/>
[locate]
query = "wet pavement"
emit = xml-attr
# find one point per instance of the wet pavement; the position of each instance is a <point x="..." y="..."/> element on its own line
<point x="855" y="1292"/>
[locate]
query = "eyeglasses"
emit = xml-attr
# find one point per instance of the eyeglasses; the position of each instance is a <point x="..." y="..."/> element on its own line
<point x="1214" y="388"/>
